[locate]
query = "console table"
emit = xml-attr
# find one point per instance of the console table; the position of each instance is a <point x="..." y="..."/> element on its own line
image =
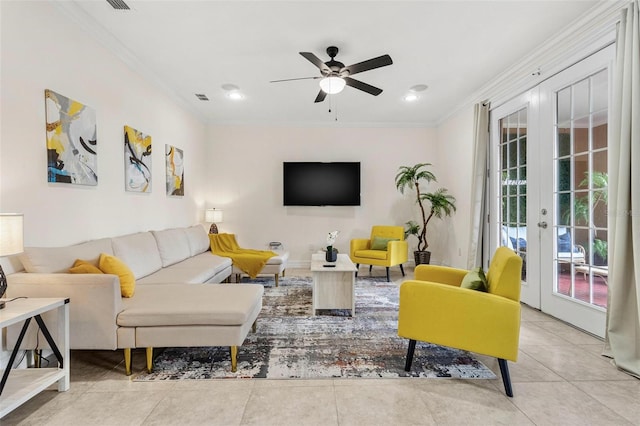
<point x="333" y="287"/>
<point x="19" y="385"/>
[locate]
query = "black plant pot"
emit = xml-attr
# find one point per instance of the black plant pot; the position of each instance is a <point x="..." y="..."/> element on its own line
<point x="422" y="257"/>
<point x="331" y="255"/>
<point x="599" y="260"/>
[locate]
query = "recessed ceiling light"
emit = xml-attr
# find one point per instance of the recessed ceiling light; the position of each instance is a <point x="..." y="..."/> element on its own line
<point x="418" y="88"/>
<point x="410" y="97"/>
<point x="233" y="91"/>
<point x="230" y="87"/>
<point x="235" y="95"/>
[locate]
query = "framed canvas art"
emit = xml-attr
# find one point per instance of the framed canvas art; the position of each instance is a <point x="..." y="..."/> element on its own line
<point x="137" y="160"/>
<point x="175" y="170"/>
<point x="72" y="155"/>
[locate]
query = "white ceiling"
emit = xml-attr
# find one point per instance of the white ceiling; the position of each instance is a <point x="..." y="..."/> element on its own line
<point x="454" y="47"/>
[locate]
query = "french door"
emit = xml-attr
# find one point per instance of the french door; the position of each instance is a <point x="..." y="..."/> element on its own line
<point x="574" y="283"/>
<point x="549" y="190"/>
<point x="514" y="185"/>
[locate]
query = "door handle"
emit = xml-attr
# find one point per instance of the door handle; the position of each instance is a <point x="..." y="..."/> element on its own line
<point x="542" y="225"/>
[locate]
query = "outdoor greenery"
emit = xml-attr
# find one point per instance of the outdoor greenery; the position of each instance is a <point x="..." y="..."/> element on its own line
<point x="584" y="208"/>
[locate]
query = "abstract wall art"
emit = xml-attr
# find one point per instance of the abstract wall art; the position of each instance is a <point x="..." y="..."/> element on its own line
<point x="137" y="160"/>
<point x="72" y="155"/>
<point x="175" y="170"/>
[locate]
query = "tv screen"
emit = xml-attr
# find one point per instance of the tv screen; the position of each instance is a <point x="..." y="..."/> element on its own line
<point x="321" y="184"/>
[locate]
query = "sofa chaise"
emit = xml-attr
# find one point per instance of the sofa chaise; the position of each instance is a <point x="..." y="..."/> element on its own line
<point x="177" y="301"/>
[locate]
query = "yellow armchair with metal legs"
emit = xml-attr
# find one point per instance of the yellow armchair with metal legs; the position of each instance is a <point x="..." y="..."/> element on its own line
<point x="386" y="247"/>
<point x="434" y="308"/>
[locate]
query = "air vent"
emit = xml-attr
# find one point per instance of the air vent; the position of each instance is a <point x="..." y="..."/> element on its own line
<point x="118" y="4"/>
<point x="202" y="97"/>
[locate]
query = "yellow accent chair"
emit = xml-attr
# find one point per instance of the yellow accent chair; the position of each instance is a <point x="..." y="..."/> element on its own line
<point x="386" y="247"/>
<point x="434" y="308"/>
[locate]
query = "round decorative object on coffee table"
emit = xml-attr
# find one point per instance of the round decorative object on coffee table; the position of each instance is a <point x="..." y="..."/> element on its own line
<point x="331" y="255"/>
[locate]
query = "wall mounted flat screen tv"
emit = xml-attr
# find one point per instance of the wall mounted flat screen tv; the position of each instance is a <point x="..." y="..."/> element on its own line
<point x="321" y="184"/>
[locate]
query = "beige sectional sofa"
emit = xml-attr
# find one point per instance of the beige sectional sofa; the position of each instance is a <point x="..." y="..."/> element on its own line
<point x="177" y="299"/>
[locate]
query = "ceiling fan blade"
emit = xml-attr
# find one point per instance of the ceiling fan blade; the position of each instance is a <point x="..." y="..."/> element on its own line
<point x="357" y="84"/>
<point x="380" y="61"/>
<point x="316" y="61"/>
<point x="293" y="79"/>
<point x="320" y="97"/>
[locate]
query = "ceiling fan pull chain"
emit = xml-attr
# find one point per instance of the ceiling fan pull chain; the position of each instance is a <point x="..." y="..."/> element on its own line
<point x="333" y="108"/>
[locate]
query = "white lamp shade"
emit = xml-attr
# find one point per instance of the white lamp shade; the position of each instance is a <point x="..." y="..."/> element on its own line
<point x="332" y="85"/>
<point x="213" y="216"/>
<point x="11" y="234"/>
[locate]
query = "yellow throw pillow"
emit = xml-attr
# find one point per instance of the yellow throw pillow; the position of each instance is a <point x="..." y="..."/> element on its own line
<point x="113" y="265"/>
<point x="83" y="267"/>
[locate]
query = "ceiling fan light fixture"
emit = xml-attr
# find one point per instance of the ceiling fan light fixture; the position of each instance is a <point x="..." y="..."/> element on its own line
<point x="332" y="85"/>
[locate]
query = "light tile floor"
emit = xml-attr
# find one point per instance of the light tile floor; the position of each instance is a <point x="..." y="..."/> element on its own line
<point x="560" y="378"/>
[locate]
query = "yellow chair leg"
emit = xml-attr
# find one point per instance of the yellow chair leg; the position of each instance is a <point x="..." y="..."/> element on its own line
<point x="149" y="360"/>
<point x="127" y="361"/>
<point x="276" y="280"/>
<point x="254" y="327"/>
<point x="234" y="358"/>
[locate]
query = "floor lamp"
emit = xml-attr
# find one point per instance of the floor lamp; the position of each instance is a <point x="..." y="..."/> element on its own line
<point x="213" y="216"/>
<point x="11" y="242"/>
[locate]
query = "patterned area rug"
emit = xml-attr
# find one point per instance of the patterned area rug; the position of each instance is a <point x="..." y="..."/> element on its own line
<point x="290" y="343"/>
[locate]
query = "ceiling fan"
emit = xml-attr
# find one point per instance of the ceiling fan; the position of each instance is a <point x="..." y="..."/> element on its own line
<point x="334" y="75"/>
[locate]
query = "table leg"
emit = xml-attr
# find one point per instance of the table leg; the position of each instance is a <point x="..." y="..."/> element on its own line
<point x="63" y="346"/>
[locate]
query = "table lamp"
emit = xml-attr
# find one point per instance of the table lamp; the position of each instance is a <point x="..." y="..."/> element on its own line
<point x="214" y="216"/>
<point x="11" y="242"/>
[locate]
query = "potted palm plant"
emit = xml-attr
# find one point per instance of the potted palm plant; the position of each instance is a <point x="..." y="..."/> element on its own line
<point x="441" y="204"/>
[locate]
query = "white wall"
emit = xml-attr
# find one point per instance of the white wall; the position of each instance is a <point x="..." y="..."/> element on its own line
<point x="238" y="168"/>
<point x="245" y="179"/>
<point x="41" y="50"/>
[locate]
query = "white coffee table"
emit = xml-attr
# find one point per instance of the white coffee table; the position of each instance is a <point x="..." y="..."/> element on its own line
<point x="333" y="287"/>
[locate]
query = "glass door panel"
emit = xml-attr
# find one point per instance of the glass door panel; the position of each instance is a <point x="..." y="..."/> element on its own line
<point x="513" y="203"/>
<point x="511" y="190"/>
<point x="581" y="184"/>
<point x="575" y="120"/>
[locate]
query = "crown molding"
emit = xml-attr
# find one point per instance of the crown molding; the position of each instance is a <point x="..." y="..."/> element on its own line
<point x="590" y="33"/>
<point x="324" y="124"/>
<point x="78" y="16"/>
